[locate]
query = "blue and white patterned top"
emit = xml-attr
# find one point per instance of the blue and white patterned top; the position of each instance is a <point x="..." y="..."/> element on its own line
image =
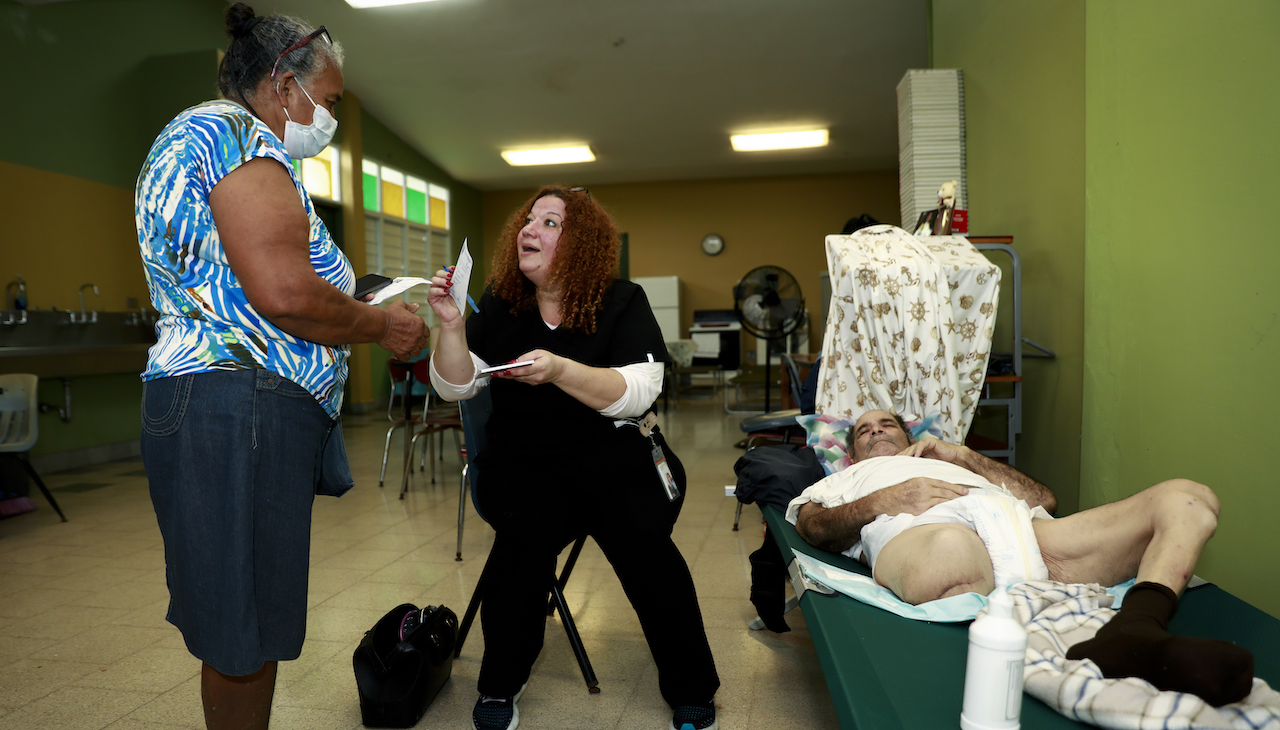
<point x="206" y="321"/>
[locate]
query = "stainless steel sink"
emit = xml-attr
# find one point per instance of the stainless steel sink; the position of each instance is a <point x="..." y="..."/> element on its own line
<point x="51" y="345"/>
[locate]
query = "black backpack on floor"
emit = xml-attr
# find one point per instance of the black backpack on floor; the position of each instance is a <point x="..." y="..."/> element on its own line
<point x="402" y="662"/>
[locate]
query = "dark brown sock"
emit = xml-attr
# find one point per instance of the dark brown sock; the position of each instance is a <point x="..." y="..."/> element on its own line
<point x="1136" y="643"/>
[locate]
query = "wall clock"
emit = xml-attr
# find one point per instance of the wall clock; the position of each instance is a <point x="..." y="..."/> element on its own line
<point x="712" y="244"/>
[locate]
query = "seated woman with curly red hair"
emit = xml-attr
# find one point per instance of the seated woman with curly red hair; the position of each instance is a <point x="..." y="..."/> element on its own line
<point x="561" y="459"/>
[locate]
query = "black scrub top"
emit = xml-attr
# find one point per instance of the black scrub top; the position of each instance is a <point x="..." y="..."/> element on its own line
<point x="543" y="418"/>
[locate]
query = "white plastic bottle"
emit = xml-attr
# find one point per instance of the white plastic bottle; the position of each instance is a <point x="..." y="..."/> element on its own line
<point x="993" y="673"/>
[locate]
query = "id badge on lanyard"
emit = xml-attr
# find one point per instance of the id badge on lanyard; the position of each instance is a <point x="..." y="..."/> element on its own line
<point x="664" y="472"/>
<point x="647" y="426"/>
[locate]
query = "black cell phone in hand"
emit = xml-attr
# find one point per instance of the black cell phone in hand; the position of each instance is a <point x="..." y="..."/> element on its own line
<point x="370" y="283"/>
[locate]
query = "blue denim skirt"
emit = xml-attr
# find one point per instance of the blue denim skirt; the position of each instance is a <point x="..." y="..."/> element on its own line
<point x="233" y="459"/>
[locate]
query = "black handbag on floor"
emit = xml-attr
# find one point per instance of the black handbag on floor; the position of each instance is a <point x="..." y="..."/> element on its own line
<point x="402" y="662"/>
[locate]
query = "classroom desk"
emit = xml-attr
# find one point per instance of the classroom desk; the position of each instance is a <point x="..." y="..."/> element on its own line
<point x="886" y="672"/>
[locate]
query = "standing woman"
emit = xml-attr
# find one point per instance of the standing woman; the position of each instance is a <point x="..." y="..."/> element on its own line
<point x="559" y="461"/>
<point x="244" y="384"/>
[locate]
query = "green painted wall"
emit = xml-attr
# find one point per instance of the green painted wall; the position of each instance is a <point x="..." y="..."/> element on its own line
<point x="89" y="95"/>
<point x="1182" y="324"/>
<point x="1126" y="145"/>
<point x="1023" y="69"/>
<point x="104" y="410"/>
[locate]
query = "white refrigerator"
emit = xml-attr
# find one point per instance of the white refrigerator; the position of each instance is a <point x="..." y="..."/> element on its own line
<point x="664" y="297"/>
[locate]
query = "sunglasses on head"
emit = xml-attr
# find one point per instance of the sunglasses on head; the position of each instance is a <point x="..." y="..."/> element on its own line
<point x="304" y="40"/>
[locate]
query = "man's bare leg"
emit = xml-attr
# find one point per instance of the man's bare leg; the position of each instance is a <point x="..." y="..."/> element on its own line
<point x="935" y="561"/>
<point x="237" y="703"/>
<point x="1156" y="536"/>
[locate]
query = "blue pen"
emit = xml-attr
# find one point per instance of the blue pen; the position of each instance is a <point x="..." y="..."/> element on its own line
<point x="470" y="301"/>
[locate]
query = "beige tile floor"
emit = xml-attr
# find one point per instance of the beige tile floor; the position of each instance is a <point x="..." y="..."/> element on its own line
<point x="84" y="643"/>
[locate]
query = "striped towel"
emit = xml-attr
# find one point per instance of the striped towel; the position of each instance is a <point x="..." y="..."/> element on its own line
<point x="1058" y="616"/>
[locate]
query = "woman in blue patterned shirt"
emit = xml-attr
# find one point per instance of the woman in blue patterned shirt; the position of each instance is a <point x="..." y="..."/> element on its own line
<point x="244" y="384"/>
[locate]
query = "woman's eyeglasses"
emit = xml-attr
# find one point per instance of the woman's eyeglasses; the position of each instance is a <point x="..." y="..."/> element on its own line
<point x="581" y="190"/>
<point x="302" y="42"/>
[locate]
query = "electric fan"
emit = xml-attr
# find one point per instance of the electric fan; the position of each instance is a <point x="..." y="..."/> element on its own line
<point x="768" y="303"/>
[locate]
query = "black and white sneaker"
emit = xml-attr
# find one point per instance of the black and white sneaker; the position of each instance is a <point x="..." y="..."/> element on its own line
<point x="694" y="717"/>
<point x="496" y="713"/>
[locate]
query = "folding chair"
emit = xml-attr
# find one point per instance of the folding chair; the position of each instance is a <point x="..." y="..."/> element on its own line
<point x="777" y="425"/>
<point x="432" y="422"/>
<point x="401" y="374"/>
<point x="20" y="425"/>
<point x="475" y="413"/>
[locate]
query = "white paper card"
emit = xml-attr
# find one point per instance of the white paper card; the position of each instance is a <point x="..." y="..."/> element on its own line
<point x="461" y="279"/>
<point x="398" y="285"/>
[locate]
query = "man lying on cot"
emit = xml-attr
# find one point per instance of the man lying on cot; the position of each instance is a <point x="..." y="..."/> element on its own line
<point x="931" y="522"/>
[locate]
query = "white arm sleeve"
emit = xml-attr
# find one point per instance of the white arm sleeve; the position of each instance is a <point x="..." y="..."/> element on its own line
<point x="644" y="383"/>
<point x="452" y="392"/>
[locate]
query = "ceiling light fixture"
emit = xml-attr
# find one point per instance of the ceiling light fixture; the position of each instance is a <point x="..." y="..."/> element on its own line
<point x="779" y="140"/>
<point x="548" y="156"/>
<point x="381" y="3"/>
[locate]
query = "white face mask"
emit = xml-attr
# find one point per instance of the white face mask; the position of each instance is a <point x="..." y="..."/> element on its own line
<point x="307" y="140"/>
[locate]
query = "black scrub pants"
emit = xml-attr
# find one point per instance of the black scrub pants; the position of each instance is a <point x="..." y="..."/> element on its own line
<point x="538" y="504"/>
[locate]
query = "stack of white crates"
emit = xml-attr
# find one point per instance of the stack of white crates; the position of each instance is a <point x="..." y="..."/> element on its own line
<point x="930" y="140"/>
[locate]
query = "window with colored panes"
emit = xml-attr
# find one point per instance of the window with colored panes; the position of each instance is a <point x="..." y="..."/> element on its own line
<point x="369" y="183"/>
<point x="406" y="227"/>
<point x="439" y="216"/>
<point x="320" y="174"/>
<point x="392" y="192"/>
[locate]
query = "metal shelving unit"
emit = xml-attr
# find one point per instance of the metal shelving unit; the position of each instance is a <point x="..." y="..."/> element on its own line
<point x="1013" y="403"/>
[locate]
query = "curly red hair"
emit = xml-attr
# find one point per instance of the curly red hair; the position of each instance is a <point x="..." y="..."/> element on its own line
<point x="584" y="268"/>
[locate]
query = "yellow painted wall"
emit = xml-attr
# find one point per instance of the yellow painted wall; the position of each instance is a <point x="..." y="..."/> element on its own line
<point x="778" y="221"/>
<point x="61" y="231"/>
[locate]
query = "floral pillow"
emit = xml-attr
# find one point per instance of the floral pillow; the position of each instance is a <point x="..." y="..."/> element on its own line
<point x="828" y="436"/>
